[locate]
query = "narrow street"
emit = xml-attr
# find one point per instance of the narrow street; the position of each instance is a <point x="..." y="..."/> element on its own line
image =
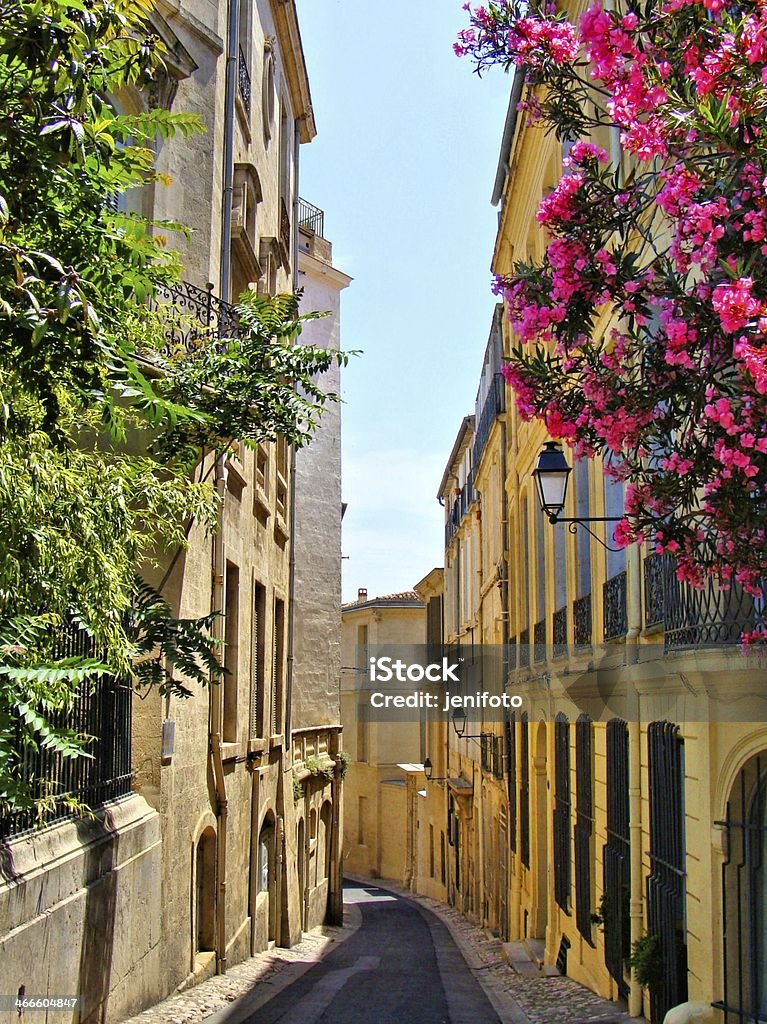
<point x="401" y="965"/>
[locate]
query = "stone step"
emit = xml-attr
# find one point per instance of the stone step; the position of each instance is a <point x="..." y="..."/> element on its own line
<point x="536" y="949"/>
<point x="518" y="957"/>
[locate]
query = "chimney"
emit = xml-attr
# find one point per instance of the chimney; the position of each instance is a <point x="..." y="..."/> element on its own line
<point x="362" y="594"/>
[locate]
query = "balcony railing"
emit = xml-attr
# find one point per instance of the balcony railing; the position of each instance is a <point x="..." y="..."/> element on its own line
<point x="243" y="80"/>
<point x="285" y="227"/>
<point x="539" y="641"/>
<point x="103" y="711"/>
<point x="614" y="607"/>
<point x="707" y="617"/>
<point x="197" y="316"/>
<point x="495" y="404"/>
<point x="582" y="621"/>
<point x="524" y="648"/>
<point x="311" y="217"/>
<point x="559" y="632"/>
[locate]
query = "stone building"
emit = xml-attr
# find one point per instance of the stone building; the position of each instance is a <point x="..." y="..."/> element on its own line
<point x="222" y="832"/>
<point x="627" y="799"/>
<point x="379" y="810"/>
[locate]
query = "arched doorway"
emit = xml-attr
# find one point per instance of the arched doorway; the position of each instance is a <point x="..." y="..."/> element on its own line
<point x="205" y="891"/>
<point x="744" y="895"/>
<point x="266" y="875"/>
<point x="301" y="844"/>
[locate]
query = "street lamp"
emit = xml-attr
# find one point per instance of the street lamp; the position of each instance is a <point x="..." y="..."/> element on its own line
<point x="459" y="724"/>
<point x="428" y="768"/>
<point x="551" y="476"/>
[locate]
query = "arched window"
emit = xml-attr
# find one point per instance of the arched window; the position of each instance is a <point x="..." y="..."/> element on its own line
<point x="326" y="832"/>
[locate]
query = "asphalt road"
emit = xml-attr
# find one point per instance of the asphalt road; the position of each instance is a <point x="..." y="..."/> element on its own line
<point x="400" y="967"/>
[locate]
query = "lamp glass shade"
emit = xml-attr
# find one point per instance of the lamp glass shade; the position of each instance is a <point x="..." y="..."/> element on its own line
<point x="551" y="474"/>
<point x="459" y="721"/>
<point x="428" y="768"/>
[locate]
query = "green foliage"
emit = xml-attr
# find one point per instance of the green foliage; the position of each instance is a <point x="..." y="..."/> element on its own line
<point x="255" y="387"/>
<point x="320" y="769"/>
<point x="163" y="645"/>
<point x="298" y="789"/>
<point x="95" y="451"/>
<point x="346" y="759"/>
<point x="646" y="961"/>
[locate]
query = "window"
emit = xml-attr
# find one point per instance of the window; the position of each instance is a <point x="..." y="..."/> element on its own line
<point x="267" y="93"/>
<point x="362" y="810"/>
<point x="562" y="851"/>
<point x="231" y="650"/>
<point x="282" y="477"/>
<point x="278" y="666"/>
<point x="257" y="660"/>
<point x="431" y="851"/>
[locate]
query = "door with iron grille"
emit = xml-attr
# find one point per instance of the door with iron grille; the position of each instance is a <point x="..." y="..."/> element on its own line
<point x="666" y="881"/>
<point x="617" y="856"/>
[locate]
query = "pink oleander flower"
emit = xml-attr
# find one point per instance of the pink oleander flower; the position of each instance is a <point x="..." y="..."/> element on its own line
<point x="735" y="304"/>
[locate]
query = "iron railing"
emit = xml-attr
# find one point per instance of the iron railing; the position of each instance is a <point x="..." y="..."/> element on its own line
<point x="103" y="711"/>
<point x="615" y="907"/>
<point x="243" y="80"/>
<point x="285" y="237"/>
<point x="467" y="494"/>
<point x="559" y="632"/>
<point x="510" y="728"/>
<point x="562" y="852"/>
<point x="495" y="404"/>
<point x="614" y="606"/>
<point x="582" y="621"/>
<point x="539" y="641"/>
<point x="744" y="991"/>
<point x="197" y="316"/>
<point x="666" y="881"/>
<point x="693" y="617"/>
<point x="311" y="217"/>
<point x="584" y="823"/>
<point x="524" y="791"/>
<point x="524" y="648"/>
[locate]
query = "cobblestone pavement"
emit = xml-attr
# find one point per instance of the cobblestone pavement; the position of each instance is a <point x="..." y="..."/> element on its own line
<point x="268" y="972"/>
<point x="517" y="999"/>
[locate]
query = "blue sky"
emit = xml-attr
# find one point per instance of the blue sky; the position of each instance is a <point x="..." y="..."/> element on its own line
<point x="403" y="166"/>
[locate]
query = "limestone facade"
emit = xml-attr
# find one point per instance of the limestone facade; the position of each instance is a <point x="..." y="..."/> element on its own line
<point x="230" y="841"/>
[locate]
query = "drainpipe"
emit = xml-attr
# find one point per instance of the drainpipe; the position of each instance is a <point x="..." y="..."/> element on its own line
<point x="216" y="721"/>
<point x="636" y="914"/>
<point x="232" y="55"/>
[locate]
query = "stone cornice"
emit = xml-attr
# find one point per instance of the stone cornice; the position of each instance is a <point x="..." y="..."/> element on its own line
<point x="294" y="64"/>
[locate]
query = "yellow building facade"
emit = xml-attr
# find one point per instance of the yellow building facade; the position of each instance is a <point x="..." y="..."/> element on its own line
<point x="621" y="806"/>
<point x="380" y="789"/>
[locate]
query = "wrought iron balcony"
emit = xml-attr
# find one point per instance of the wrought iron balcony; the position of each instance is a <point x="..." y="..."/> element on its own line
<point x="582" y="621"/>
<point x="285" y="227"/>
<point x="524" y="648"/>
<point x="495" y="404"/>
<point x="614" y="607"/>
<point x="311" y="217"/>
<point x="707" y="617"/>
<point x="539" y="641"/>
<point x="201" y="316"/>
<point x="243" y="80"/>
<point x="559" y="632"/>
